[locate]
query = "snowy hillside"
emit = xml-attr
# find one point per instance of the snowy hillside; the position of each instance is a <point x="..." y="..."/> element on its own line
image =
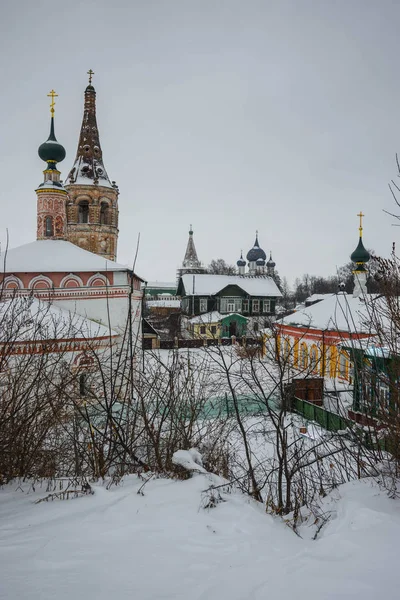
<point x="164" y="545"/>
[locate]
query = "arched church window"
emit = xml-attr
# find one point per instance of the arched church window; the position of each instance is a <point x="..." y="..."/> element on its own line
<point x="48" y="224"/>
<point x="303" y="355"/>
<point x="286" y="352"/>
<point x="343" y="365"/>
<point x="82" y="385"/>
<point x="83" y="212"/>
<point x="314" y="358"/>
<point x="104" y="214"/>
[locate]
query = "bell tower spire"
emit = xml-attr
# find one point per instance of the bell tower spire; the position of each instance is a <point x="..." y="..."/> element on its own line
<point x="191" y="263"/>
<point x="92" y="210"/>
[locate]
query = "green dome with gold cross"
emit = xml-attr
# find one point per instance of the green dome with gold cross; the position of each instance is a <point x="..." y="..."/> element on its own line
<point x="360" y="255"/>
<point x="51" y="151"/>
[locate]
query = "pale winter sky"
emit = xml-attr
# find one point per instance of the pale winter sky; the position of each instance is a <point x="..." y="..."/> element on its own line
<point x="233" y="115"/>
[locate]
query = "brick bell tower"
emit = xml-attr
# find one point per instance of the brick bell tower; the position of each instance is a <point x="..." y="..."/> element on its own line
<point x="92" y="205"/>
<point x="51" y="195"/>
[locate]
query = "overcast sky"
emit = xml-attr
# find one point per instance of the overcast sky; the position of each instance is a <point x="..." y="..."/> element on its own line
<point x="276" y="115"/>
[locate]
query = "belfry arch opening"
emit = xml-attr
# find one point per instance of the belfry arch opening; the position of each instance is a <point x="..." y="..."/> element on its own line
<point x="105" y="214"/>
<point x="83" y="211"/>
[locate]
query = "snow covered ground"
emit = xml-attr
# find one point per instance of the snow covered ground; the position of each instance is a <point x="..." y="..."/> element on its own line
<point x="164" y="545"/>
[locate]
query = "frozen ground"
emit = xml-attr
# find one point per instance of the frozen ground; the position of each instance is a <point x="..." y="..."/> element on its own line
<point x="163" y="545"/>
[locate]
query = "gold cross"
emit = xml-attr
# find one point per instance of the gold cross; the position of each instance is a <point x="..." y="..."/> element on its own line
<point x="361" y="215"/>
<point x="52" y="95"/>
<point x="90" y="73"/>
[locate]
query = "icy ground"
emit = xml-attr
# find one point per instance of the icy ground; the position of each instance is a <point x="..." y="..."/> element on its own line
<point x="117" y="544"/>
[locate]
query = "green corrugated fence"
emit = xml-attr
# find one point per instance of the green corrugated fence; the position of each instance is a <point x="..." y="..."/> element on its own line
<point x="328" y="420"/>
<point x="334" y="422"/>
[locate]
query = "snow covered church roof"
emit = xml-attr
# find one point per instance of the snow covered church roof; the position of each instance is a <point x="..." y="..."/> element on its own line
<point x="36" y="320"/>
<point x="209" y="285"/>
<point x="336" y="312"/>
<point x="55" y="256"/>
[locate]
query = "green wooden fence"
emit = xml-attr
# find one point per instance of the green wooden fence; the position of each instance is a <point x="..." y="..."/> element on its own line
<point x="334" y="422"/>
<point x="328" y="420"/>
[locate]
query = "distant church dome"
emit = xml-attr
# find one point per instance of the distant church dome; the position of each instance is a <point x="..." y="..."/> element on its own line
<point x="241" y="262"/>
<point x="271" y="263"/>
<point x="51" y="150"/>
<point x="256" y="252"/>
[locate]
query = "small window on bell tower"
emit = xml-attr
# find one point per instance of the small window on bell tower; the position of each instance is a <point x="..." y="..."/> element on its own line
<point x="104" y="214"/>
<point x="49" y="230"/>
<point x="83" y="212"/>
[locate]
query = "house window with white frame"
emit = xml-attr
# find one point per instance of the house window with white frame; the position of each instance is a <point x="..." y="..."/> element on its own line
<point x="238" y="305"/>
<point x="266" y="306"/>
<point x="230" y="305"/>
<point x="245" y="306"/>
<point x="203" y="305"/>
<point x="384" y="397"/>
<point x="255" y="305"/>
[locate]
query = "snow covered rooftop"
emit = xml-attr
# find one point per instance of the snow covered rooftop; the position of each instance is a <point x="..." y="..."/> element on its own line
<point x="163" y="303"/>
<point x="35" y="320"/>
<point x="209" y="285"/>
<point x="57" y="256"/>
<point x="372" y="348"/>
<point x="78" y="175"/>
<point x="315" y="298"/>
<point x="212" y="317"/>
<point x="161" y="284"/>
<point x="51" y="185"/>
<point x="336" y="312"/>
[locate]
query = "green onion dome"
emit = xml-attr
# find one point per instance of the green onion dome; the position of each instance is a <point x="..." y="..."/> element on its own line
<point x="360" y="254"/>
<point x="51" y="151"/>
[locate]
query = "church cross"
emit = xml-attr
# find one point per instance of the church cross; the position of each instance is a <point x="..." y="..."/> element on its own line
<point x="361" y="215"/>
<point x="90" y="73"/>
<point x="52" y="95"/>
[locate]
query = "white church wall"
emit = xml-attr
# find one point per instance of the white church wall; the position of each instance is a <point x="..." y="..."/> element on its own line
<point x="113" y="311"/>
<point x="120" y="278"/>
